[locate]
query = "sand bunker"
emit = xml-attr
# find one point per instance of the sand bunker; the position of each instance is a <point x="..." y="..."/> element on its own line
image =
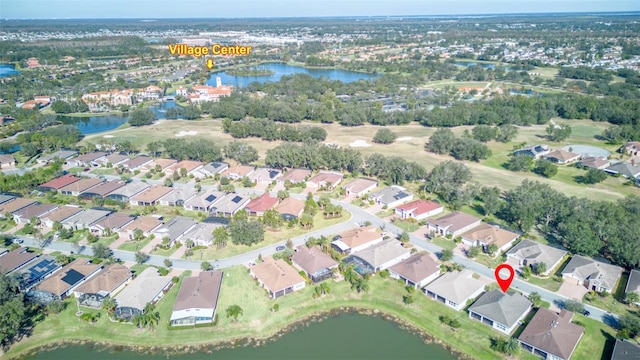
<point x="108" y="136"/>
<point x="360" y="143"/>
<point x="404" y="138"/>
<point x="186" y="133"/>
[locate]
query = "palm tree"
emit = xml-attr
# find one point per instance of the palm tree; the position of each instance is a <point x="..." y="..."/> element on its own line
<point x="149" y="317"/>
<point x="221" y="237"/>
<point x="360" y="285"/>
<point x="234" y="311"/>
<point x="109" y="304"/>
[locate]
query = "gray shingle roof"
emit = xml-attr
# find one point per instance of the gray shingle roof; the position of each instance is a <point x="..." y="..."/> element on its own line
<point x="142" y="289"/>
<point x="530" y="250"/>
<point x="383" y="252"/>
<point x="634" y="282"/>
<point x="584" y="268"/>
<point x="456" y="286"/>
<point x="390" y="194"/>
<point x="503" y="308"/>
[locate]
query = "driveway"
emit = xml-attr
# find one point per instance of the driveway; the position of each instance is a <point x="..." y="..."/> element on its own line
<point x="572" y="290"/>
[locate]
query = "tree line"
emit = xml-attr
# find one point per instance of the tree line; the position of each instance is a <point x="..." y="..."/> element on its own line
<point x="270" y="131"/>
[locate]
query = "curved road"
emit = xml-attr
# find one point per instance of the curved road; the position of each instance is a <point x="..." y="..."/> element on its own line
<point x="358" y="216"/>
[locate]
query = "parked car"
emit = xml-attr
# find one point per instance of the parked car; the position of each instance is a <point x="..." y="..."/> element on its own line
<point x="280" y="248"/>
<point x="586" y="313"/>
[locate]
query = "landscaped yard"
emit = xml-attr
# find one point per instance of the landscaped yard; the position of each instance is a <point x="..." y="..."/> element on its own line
<point x="272" y="237"/>
<point x="162" y="252"/>
<point x="545" y="283"/>
<point x="258" y="320"/>
<point x="134" y="246"/>
<point x="408" y="226"/>
<point x="444" y="243"/>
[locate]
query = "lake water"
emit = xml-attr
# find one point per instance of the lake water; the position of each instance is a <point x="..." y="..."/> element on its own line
<point x="99" y="123"/>
<point x="471" y="63"/>
<point x="280" y="69"/>
<point x="346" y="336"/>
<point x="8" y="70"/>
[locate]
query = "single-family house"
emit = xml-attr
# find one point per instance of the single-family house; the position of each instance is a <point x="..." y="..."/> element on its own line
<point x="136" y="163"/>
<point x="12" y="260"/>
<point x="536" y="151"/>
<point x="416" y="271"/>
<point x="562" y="157"/>
<point x="264" y="175"/>
<point x="108" y="281"/>
<point x="150" y="196"/>
<point x="58" y="183"/>
<point x="7" y="161"/>
<point x="391" y="196"/>
<point x="114" y="222"/>
<point x="6" y="198"/>
<point x="378" y="257"/>
<point x="290" y="208"/>
<point x="631" y="148"/>
<point x="277" y="277"/>
<point x="592" y="274"/>
<point x="128" y="191"/>
<point x="204" y="201"/>
<point x="502" y="311"/>
<point x="294" y="176"/>
<point x="175" y="228"/>
<point x="77" y="187"/>
<point x="36" y="270"/>
<point x="60" y="155"/>
<point x="24" y="216"/>
<point x="419" y="209"/>
<point x="197" y="299"/>
<point x="211" y="169"/>
<point x="357" y="239"/>
<point x="325" y="179"/>
<point x="189" y="167"/>
<point x="456" y="288"/>
<point x="262" y="203"/>
<point x="178" y="196"/>
<point x="148" y="287"/>
<point x="594" y="162"/>
<point x="114" y="159"/>
<point x="454" y="224"/>
<point x="101" y="190"/>
<point x="551" y="335"/>
<point x="633" y="284"/>
<point x="486" y="235"/>
<point x="359" y="187"/>
<point x="201" y="234"/>
<point x="64" y="281"/>
<point x="10" y="207"/>
<point x="230" y="204"/>
<point x="87" y="159"/>
<point x="530" y="253"/>
<point x="624" y="169"/>
<point x="60" y="214"/>
<point x="238" y="172"/>
<point x="625" y="350"/>
<point x="158" y="164"/>
<point x="85" y="219"/>
<point x="316" y="264"/>
<point x="146" y="224"/>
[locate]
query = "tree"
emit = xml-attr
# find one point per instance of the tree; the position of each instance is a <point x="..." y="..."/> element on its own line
<point x="220" y="237"/>
<point x="592" y="176"/>
<point x="140" y="117"/>
<point x="490" y="197"/>
<point x="360" y="285"/>
<point x="632" y="298"/>
<point x="149" y="317"/>
<point x="446" y="254"/>
<point x="283" y="194"/>
<point x="519" y="162"/>
<point x="540" y="268"/>
<point x="535" y="298"/>
<point x="306" y="221"/>
<point x="168" y="263"/>
<point x="484" y="133"/>
<point x="509" y="346"/>
<point x="141" y="257"/>
<point x="241" y="152"/>
<point x="447" y="177"/>
<point x="628" y="326"/>
<point x="246" y="232"/>
<point x="525" y="272"/>
<point x="404" y="237"/>
<point x="101" y="251"/>
<point x="138" y="235"/>
<point x="384" y="136"/>
<point x="470" y="149"/>
<point x="14" y="309"/>
<point x="272" y="219"/>
<point x="441" y="142"/>
<point x="506" y="133"/>
<point x="558" y="133"/>
<point x="492" y="249"/>
<point x="473" y="252"/>
<point x="408" y="299"/>
<point x="206" y="266"/>
<point x="545" y="168"/>
<point x="574" y="306"/>
<point x="109" y="304"/>
<point x="234" y="311"/>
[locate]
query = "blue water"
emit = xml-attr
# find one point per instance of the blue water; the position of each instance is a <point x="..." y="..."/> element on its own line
<point x="8" y="70"/>
<point x="471" y="63"/>
<point x="99" y="123"/>
<point x="280" y="69"/>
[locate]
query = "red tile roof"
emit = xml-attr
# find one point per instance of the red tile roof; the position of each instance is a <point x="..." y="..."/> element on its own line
<point x="262" y="203"/>
<point x="420" y="206"/>
<point x="62" y="181"/>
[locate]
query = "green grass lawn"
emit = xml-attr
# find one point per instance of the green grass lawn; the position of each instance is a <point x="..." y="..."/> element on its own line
<point x="103" y="171"/>
<point x="107" y="241"/>
<point x="407" y="226"/>
<point x="444" y="243"/>
<point x="598" y="339"/>
<point x="163" y="252"/>
<point x="271" y="237"/>
<point x="385" y="295"/>
<point x="134" y="245"/>
<point x="546" y="283"/>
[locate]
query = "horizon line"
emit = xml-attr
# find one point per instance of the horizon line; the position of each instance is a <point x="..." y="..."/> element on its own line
<point x="620" y="13"/>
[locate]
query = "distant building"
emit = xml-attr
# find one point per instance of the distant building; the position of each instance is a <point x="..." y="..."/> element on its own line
<point x="359" y="187"/>
<point x="391" y="196"/>
<point x="536" y="151"/>
<point x="562" y="157"/>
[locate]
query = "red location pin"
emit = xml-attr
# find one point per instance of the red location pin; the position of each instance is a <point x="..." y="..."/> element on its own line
<point x="504" y="283"/>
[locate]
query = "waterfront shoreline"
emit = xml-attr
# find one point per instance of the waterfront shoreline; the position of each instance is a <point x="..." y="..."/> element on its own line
<point x="246" y="341"/>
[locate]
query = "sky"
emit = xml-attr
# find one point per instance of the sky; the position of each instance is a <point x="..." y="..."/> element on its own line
<point x="152" y="9"/>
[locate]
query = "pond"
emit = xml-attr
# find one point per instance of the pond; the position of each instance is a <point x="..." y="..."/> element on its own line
<point x="8" y="70"/>
<point x="279" y="69"/>
<point x="471" y="63"/>
<point x="99" y="123"/>
<point x="346" y="336"/>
